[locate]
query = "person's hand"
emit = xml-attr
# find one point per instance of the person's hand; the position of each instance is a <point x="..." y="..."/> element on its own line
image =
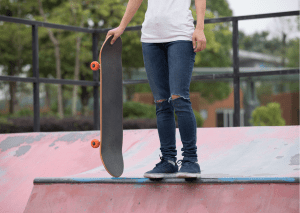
<point x="116" y="33"/>
<point x="199" y="37"/>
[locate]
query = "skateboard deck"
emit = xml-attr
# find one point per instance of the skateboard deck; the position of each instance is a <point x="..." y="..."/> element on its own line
<point x="159" y="177"/>
<point x="111" y="106"/>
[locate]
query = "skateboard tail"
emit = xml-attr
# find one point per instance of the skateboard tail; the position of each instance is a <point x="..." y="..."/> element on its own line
<point x="114" y="168"/>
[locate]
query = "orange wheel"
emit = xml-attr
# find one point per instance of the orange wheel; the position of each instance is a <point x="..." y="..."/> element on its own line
<point x="95" y="66"/>
<point x="95" y="143"/>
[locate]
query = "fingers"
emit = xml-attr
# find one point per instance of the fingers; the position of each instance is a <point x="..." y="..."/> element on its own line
<point x="113" y="39"/>
<point x="201" y="45"/>
<point x="116" y="33"/>
<point x="194" y="42"/>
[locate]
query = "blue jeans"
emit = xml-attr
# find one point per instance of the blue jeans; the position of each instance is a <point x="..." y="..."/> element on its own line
<point x="169" y="68"/>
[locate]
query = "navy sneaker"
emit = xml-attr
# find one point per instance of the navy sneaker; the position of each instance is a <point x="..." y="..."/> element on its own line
<point x="188" y="169"/>
<point x="163" y="168"/>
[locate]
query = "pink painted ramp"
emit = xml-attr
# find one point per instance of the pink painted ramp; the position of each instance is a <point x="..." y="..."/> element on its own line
<point x="161" y="197"/>
<point x="246" y="155"/>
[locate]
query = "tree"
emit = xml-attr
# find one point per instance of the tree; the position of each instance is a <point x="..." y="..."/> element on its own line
<point x="263" y="43"/>
<point x="15" y="44"/>
<point x="76" y="47"/>
<point x="55" y="42"/>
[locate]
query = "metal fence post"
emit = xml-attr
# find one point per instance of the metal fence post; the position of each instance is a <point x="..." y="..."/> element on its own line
<point x="36" y="84"/>
<point x="236" y="78"/>
<point x="96" y="88"/>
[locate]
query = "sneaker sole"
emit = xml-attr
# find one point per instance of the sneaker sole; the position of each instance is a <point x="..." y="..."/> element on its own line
<point x="160" y="175"/>
<point x="188" y="175"/>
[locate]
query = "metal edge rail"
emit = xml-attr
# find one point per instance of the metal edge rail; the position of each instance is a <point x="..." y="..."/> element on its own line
<point x="224" y="180"/>
<point x="86" y="30"/>
<point x="141" y="81"/>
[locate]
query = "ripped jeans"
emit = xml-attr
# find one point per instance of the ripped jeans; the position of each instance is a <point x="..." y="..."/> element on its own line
<point x="169" y="68"/>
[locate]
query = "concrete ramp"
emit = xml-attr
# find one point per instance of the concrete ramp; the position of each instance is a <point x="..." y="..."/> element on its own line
<point x="244" y="169"/>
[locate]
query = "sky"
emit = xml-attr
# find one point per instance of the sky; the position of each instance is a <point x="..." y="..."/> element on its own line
<point x="251" y="7"/>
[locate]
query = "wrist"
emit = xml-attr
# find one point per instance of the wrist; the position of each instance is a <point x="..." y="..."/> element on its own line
<point x="200" y="28"/>
<point x="122" y="27"/>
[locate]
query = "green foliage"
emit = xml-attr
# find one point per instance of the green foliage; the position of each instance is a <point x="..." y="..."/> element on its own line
<point x="25" y="112"/>
<point x="258" y="42"/>
<point x="199" y="119"/>
<point x="293" y="53"/>
<point x="142" y="88"/>
<point x="294" y="86"/>
<point x="265" y="89"/>
<point x="110" y="13"/>
<point x="219" y="6"/>
<point x="134" y="110"/>
<point x="218" y="44"/>
<point x="269" y="115"/>
<point x="50" y="114"/>
<point x="5" y="121"/>
<point x="211" y="91"/>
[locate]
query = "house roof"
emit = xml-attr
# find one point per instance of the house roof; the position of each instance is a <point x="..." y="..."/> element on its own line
<point x="247" y="55"/>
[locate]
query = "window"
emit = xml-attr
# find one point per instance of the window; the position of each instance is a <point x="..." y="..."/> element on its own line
<point x="225" y="117"/>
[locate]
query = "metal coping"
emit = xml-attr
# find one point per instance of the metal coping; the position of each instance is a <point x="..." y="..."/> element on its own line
<point x="224" y="180"/>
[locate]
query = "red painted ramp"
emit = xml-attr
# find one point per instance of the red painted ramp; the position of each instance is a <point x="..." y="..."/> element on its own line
<point x="171" y="197"/>
<point x="227" y="156"/>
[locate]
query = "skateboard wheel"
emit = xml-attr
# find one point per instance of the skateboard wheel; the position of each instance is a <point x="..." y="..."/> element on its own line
<point x="95" y="143"/>
<point x="95" y="66"/>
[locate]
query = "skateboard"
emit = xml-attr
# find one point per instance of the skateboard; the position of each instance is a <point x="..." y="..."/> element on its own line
<point x="160" y="177"/>
<point x="111" y="106"/>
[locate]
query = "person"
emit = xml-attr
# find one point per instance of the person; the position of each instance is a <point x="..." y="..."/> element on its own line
<point x="169" y="45"/>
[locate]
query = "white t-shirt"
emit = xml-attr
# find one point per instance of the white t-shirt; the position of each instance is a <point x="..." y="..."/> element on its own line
<point x="167" y="20"/>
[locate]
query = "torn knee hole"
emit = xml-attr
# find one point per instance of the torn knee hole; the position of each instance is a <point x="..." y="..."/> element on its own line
<point x="159" y="101"/>
<point x="175" y="96"/>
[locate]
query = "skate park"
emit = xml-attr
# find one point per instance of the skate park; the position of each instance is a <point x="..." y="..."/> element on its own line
<point x="244" y="169"/>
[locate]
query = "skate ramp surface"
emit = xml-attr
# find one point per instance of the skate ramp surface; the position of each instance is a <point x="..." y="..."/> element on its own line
<point x="235" y="162"/>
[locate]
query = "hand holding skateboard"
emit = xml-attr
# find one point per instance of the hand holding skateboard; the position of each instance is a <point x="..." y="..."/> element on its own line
<point x="116" y="33"/>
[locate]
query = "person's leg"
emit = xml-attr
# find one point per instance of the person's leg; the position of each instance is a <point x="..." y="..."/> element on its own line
<point x="156" y="64"/>
<point x="181" y="58"/>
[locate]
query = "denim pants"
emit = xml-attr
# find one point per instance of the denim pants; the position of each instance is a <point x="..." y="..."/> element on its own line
<point x="169" y="68"/>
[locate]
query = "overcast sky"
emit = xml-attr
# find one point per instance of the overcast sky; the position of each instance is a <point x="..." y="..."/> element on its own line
<point x="251" y="7"/>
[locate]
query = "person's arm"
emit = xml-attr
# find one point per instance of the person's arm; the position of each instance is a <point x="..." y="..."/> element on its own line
<point x="199" y="31"/>
<point x="132" y="7"/>
<point x="200" y="10"/>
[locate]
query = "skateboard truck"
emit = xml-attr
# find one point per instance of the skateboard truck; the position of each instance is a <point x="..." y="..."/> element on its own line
<point x="95" y="66"/>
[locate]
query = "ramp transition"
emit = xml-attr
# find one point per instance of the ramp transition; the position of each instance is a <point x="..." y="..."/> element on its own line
<point x="244" y="169"/>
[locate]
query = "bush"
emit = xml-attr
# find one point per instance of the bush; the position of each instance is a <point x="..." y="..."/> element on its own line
<point x="24" y="112"/>
<point x="135" y="116"/>
<point x="269" y="115"/>
<point x="199" y="119"/>
<point x="138" y="110"/>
